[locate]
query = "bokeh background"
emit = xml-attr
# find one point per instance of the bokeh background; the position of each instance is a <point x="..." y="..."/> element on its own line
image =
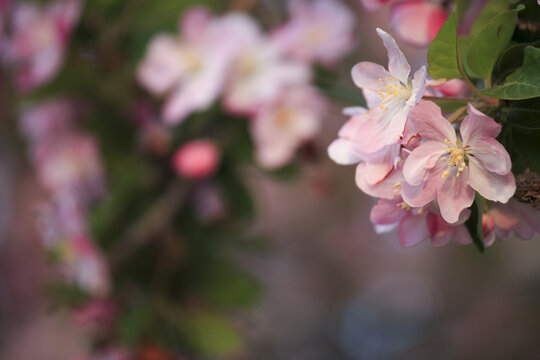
<point x="331" y="288"/>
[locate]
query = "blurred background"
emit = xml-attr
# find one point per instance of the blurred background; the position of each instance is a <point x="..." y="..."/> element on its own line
<point x="324" y="284"/>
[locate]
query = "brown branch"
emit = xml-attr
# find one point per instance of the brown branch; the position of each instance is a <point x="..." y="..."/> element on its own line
<point x="242" y="5"/>
<point x="528" y="188"/>
<point x="152" y="224"/>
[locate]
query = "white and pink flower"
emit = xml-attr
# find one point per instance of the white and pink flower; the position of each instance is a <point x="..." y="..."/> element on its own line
<point x="417" y="224"/>
<point x="319" y="31"/>
<point x="283" y="125"/>
<point x="191" y="69"/>
<point x="258" y="76"/>
<point x="450" y="168"/>
<point x="37" y="47"/>
<point x="501" y="220"/>
<point x="390" y="96"/>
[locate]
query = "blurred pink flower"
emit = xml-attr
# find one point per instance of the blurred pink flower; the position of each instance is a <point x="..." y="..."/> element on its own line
<point x="40" y="36"/>
<point x="71" y="163"/>
<point x="501" y="220"/>
<point x="451" y="169"/>
<point x="259" y="74"/>
<point x="95" y="312"/>
<point x="452" y="88"/>
<point x="372" y="5"/>
<point x="417" y="224"/>
<point x="390" y="96"/>
<point x="417" y="22"/>
<point x="281" y="127"/>
<point x="196" y="159"/>
<point x="317" y="31"/>
<point x="191" y="68"/>
<point x="48" y="120"/>
<point x="64" y="234"/>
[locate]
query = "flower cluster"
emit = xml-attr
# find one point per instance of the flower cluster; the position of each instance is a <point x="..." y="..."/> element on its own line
<point x="68" y="166"/>
<point x="426" y="170"/>
<point x="36" y="43"/>
<point x="265" y="77"/>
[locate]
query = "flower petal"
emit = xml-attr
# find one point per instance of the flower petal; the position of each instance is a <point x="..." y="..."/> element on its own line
<point x="492" y="155"/>
<point x="454" y="194"/>
<point x="418" y="86"/>
<point x="439" y="230"/>
<point x="397" y="64"/>
<point x="490" y="185"/>
<point x="461" y="235"/>
<point x="385" y="188"/>
<point x="366" y="75"/>
<point x="421" y="160"/>
<point x="413" y="229"/>
<point x="344" y="152"/>
<point x="429" y="122"/>
<point x="419" y="195"/>
<point x="476" y="125"/>
<point x="387" y="212"/>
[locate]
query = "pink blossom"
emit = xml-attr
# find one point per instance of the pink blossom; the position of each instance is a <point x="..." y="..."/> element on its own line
<point x="317" y="31"/>
<point x="65" y="235"/>
<point x="501" y="220"/>
<point x="48" y="120"/>
<point x="196" y="159"/>
<point x="346" y="150"/>
<point x="449" y="168"/>
<point x="417" y="22"/>
<point x="259" y="74"/>
<point x="281" y="126"/>
<point x="95" y="312"/>
<point x="390" y="96"/>
<point x="190" y="69"/>
<point x="417" y="224"/>
<point x="453" y="88"/>
<point x="39" y="39"/>
<point x="373" y="5"/>
<point x="70" y="164"/>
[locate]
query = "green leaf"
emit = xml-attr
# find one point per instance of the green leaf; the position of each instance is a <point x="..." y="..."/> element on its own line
<point x="491" y="10"/>
<point x="523" y="83"/>
<point x="525" y="114"/>
<point x="486" y="47"/>
<point x="442" y="53"/>
<point x="474" y="224"/>
<point x="212" y="335"/>
<point x="448" y="105"/>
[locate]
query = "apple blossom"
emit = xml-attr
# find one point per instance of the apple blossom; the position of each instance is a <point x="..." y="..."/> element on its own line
<point x="281" y="126"/>
<point x="70" y="164"/>
<point x="417" y="224"/>
<point x="450" y="168"/>
<point x="390" y="96"/>
<point x="372" y="5"/>
<point x="317" y="31"/>
<point x="417" y="22"/>
<point x="37" y="46"/>
<point x="196" y="159"/>
<point x="259" y="73"/>
<point x="191" y="68"/>
<point x="502" y="220"/>
<point x="373" y="167"/>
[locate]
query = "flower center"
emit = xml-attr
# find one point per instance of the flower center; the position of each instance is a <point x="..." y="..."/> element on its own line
<point x="193" y="61"/>
<point x="456" y="157"/>
<point x="392" y="92"/>
<point x="403" y="205"/>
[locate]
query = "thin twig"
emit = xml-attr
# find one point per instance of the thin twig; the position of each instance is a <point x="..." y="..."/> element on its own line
<point x="152" y="223"/>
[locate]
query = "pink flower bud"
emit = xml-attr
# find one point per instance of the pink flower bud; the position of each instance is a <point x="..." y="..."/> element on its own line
<point x="196" y="159"/>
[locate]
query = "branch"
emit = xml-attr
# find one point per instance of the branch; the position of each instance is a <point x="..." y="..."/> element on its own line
<point x="153" y="222"/>
<point x="528" y="188"/>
